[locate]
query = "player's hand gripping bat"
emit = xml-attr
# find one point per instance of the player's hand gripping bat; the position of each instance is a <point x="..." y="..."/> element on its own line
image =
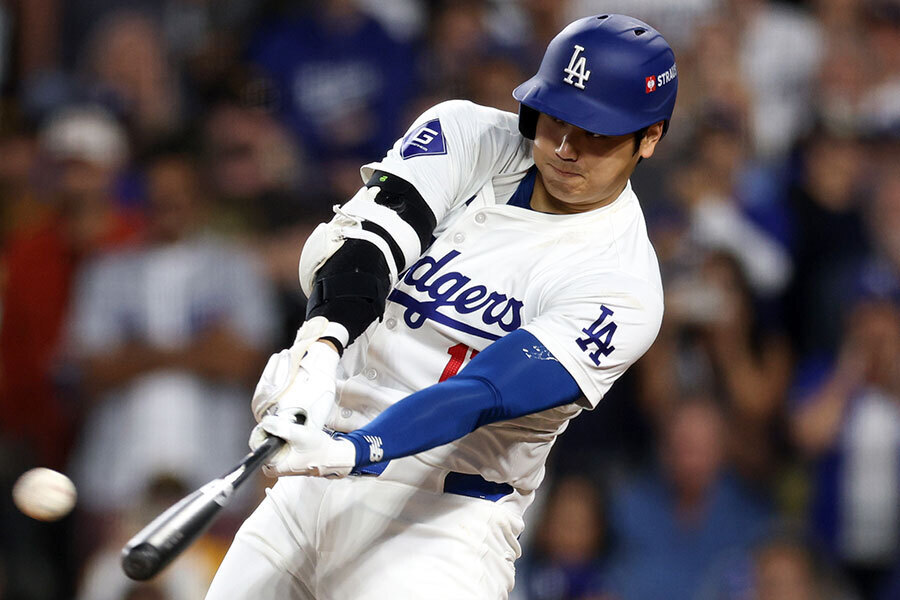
<point x="169" y="534"/>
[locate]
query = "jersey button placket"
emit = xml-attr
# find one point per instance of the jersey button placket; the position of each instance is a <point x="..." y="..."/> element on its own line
<point x="480" y="218"/>
<point x="390" y="323"/>
<point x="370" y="374"/>
<point x="346" y="413"/>
<point x="459" y="238"/>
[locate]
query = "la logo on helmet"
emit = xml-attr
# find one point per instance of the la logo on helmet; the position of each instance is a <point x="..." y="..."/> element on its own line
<point x="577" y="68"/>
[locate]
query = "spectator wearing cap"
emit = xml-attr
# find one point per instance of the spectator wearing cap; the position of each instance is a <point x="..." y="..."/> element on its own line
<point x="85" y="150"/>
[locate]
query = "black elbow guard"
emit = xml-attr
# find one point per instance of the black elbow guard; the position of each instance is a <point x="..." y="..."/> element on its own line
<point x="351" y="288"/>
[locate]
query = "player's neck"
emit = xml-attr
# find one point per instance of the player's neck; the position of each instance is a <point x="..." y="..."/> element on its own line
<point x="543" y="201"/>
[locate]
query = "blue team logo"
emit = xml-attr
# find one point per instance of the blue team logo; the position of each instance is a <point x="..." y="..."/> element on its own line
<point x="599" y="336"/>
<point x="451" y="289"/>
<point x="424" y="139"/>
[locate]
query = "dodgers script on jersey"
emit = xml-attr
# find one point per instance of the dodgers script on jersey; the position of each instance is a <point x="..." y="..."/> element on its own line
<point x="586" y="285"/>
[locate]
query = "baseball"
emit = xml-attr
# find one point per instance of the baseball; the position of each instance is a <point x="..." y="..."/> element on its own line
<point x="44" y="494"/>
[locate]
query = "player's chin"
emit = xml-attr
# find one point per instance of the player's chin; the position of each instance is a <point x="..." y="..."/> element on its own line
<point x="567" y="189"/>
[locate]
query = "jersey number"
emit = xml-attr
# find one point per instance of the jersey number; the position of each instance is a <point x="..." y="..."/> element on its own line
<point x="457" y="358"/>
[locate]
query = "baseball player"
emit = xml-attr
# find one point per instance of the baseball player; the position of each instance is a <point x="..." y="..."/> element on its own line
<point x="491" y="279"/>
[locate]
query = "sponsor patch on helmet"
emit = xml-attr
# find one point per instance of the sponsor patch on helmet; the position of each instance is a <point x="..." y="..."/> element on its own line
<point x="427" y="138"/>
<point x="653" y="83"/>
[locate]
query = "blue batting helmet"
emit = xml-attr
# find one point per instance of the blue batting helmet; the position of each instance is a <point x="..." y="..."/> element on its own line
<point x="608" y="74"/>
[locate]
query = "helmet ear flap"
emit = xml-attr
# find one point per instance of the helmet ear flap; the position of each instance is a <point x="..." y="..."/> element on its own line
<point x="528" y="118"/>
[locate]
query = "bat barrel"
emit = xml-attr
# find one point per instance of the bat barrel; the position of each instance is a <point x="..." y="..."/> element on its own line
<point x="157" y="544"/>
<point x="141" y="562"/>
<point x="173" y="531"/>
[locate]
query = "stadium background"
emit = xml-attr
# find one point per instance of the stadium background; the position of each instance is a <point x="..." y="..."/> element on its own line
<point x="161" y="162"/>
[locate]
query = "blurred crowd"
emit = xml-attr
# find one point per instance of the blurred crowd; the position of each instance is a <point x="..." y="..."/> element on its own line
<point x="162" y="162"/>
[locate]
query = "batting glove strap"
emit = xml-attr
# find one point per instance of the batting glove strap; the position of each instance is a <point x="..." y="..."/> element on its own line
<point x="337" y="332"/>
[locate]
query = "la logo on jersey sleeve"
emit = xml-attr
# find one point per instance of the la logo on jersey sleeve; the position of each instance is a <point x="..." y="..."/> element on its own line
<point x="598" y="336"/>
<point x="427" y="138"/>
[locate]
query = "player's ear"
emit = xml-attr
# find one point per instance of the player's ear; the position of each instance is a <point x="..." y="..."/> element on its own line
<point x="650" y="139"/>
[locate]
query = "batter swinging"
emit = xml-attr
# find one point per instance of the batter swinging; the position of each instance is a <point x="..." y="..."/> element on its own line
<point x="491" y="279"/>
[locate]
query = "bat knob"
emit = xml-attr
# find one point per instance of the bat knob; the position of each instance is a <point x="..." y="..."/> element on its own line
<point x="141" y="562"/>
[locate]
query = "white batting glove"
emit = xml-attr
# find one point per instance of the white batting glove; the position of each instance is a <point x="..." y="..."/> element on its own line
<point x="300" y="379"/>
<point x="309" y="451"/>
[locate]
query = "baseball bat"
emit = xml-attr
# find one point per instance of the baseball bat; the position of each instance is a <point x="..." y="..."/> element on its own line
<point x="169" y="534"/>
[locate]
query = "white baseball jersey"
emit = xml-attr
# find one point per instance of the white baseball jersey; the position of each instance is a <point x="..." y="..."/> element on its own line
<point x="586" y="285"/>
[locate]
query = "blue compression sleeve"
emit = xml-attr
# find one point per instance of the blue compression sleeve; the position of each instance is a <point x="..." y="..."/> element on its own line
<point x="514" y="376"/>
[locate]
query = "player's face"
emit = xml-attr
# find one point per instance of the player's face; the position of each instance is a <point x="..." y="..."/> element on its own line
<point x="580" y="171"/>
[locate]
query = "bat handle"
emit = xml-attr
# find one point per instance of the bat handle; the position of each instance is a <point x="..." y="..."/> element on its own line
<point x="257" y="458"/>
<point x="261" y="454"/>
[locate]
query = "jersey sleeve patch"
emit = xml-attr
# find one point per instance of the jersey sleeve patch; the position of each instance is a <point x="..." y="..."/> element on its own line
<point x="427" y="138"/>
<point x="598" y="336"/>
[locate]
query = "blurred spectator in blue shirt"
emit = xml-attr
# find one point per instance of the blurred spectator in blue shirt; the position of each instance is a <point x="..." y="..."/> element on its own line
<point x="343" y="83"/>
<point x="673" y="526"/>
<point x="567" y="562"/>
<point x="847" y="423"/>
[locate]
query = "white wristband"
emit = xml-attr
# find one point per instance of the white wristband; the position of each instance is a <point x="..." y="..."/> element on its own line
<point x="338" y="332"/>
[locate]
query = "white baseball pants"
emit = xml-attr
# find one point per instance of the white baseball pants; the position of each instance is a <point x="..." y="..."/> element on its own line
<point x="362" y="538"/>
